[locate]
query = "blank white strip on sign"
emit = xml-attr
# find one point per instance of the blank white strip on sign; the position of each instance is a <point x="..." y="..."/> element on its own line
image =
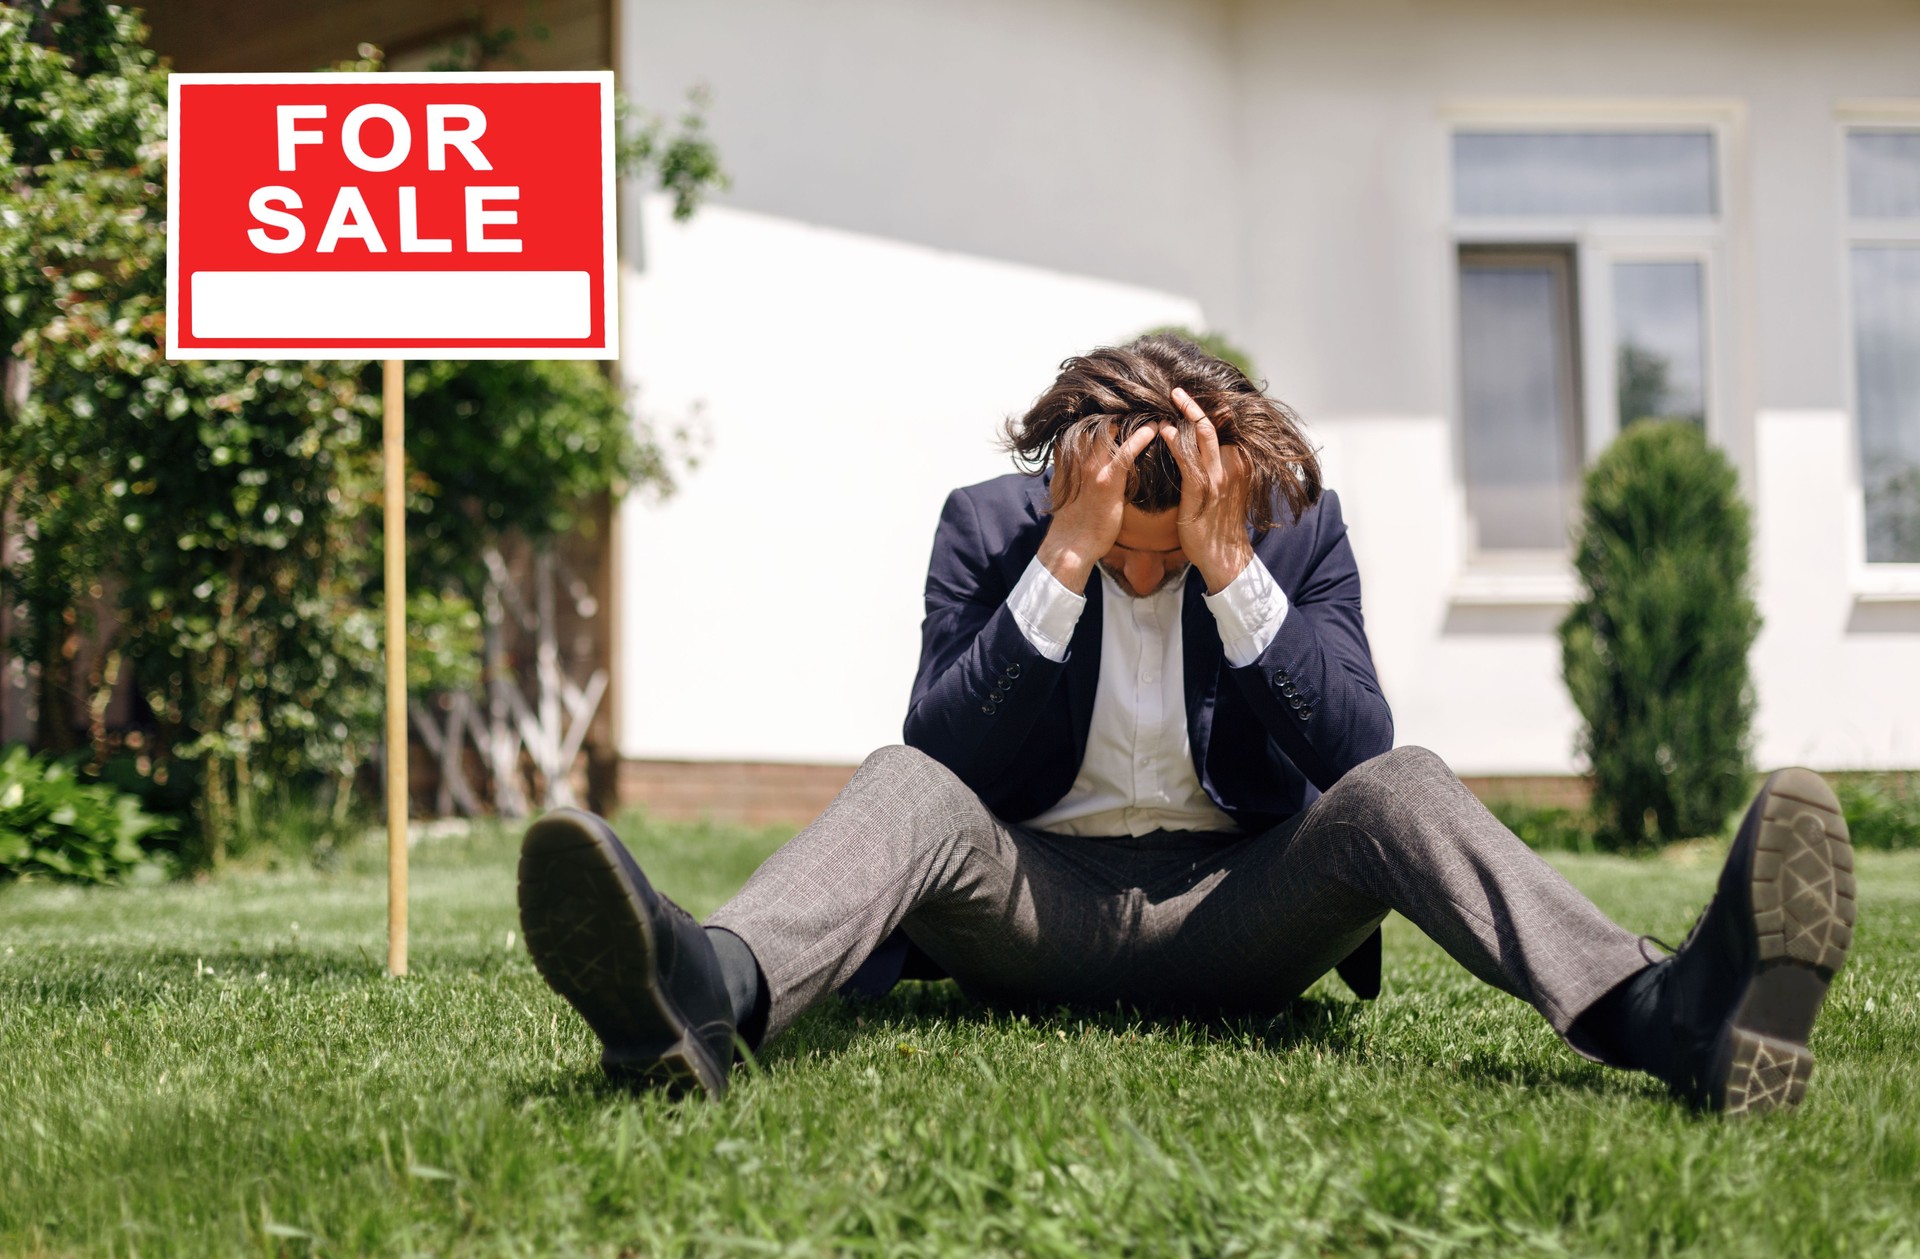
<point x="392" y="305"/>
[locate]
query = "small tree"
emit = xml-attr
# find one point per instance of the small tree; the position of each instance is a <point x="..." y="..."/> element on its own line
<point x="1655" y="651"/>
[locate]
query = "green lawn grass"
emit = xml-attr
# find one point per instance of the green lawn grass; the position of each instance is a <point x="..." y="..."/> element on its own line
<point x="223" y="1069"/>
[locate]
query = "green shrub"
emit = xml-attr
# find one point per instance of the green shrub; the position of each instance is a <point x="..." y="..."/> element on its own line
<point x="1879" y="816"/>
<point x="1546" y="828"/>
<point x="53" y="824"/>
<point x="1213" y="343"/>
<point x="1655" y="650"/>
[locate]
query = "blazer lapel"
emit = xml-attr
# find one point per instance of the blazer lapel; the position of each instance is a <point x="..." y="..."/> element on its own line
<point x="1082" y="678"/>
<point x="1083" y="666"/>
<point x="1200" y="659"/>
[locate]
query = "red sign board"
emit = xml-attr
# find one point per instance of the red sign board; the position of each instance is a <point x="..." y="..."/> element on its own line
<point x="390" y="216"/>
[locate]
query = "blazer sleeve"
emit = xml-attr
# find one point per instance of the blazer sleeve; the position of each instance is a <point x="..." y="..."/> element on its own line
<point x="980" y="684"/>
<point x="1314" y="687"/>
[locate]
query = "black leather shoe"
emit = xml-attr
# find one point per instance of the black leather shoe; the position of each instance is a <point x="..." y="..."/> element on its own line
<point x="1743" y="989"/>
<point x="638" y="967"/>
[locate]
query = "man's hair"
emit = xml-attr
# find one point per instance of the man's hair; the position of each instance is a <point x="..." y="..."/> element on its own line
<point x="1102" y="398"/>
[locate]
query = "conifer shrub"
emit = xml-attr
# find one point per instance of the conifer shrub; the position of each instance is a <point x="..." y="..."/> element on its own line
<point x="1655" y="650"/>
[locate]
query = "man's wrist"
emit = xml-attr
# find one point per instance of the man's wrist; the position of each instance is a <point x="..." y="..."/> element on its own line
<point x="1070" y="566"/>
<point x="1248" y="613"/>
<point x="1219" y="571"/>
<point x="1045" y="610"/>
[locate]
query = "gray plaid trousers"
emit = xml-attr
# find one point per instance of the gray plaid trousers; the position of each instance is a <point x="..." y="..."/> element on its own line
<point x="1172" y="921"/>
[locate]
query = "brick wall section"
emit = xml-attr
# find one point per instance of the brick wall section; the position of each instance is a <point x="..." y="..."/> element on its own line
<point x="1557" y="791"/>
<point x="763" y="794"/>
<point x="751" y="793"/>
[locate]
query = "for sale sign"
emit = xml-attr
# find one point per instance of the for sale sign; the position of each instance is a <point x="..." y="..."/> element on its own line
<point x="390" y="216"/>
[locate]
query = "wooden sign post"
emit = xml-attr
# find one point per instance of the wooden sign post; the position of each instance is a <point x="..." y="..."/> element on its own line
<point x="387" y="217"/>
<point x="393" y="528"/>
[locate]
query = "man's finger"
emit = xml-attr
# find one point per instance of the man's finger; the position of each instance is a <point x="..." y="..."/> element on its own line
<point x="1208" y="454"/>
<point x="1138" y="441"/>
<point x="1188" y="407"/>
<point x="1206" y="437"/>
<point x="1171" y="435"/>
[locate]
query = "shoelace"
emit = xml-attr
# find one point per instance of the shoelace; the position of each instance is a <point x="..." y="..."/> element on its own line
<point x="1685" y="1070"/>
<point x="1692" y="931"/>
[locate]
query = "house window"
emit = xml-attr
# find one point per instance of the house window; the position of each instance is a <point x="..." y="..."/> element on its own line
<point x="1583" y="174"/>
<point x="1660" y="342"/>
<point x="1519" y="395"/>
<point x="1585" y="281"/>
<point x="1883" y="194"/>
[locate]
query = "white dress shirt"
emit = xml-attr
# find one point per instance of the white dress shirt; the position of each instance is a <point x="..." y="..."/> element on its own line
<point x="1137" y="775"/>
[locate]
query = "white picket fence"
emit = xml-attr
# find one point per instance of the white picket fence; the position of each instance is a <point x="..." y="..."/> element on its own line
<point x="526" y="744"/>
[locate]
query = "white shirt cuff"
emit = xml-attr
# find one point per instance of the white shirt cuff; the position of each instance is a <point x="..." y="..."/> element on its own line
<point x="1248" y="613"/>
<point x="1045" y="610"/>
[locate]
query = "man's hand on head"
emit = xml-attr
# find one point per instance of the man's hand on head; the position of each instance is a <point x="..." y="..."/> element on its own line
<point x="1085" y="527"/>
<point x="1213" y="499"/>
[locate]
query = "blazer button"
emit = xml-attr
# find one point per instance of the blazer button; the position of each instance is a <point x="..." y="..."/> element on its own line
<point x="997" y="695"/>
<point x="1013" y="670"/>
<point x="1305" y="713"/>
<point x="1294" y="702"/>
<point x="988" y="708"/>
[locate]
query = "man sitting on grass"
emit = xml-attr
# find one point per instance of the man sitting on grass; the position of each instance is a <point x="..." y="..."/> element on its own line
<point x="1147" y="763"/>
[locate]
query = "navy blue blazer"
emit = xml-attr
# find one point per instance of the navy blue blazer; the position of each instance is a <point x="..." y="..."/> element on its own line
<point x="1267" y="738"/>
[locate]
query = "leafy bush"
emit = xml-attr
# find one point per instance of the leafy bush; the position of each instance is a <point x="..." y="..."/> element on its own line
<point x="1655" y="650"/>
<point x="501" y="446"/>
<point x="1214" y="344"/>
<point x="1547" y="828"/>
<point x="231" y="507"/>
<point x="1878" y="815"/>
<point x="51" y="823"/>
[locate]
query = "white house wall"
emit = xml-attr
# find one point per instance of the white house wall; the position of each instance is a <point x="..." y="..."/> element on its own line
<point x="839" y="385"/>
<point x="1838" y="679"/>
<point x="931" y="207"/>
<point x="944" y="200"/>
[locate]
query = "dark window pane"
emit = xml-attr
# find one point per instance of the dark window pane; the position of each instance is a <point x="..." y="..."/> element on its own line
<point x="1663" y="173"/>
<point x="1516" y="344"/>
<point x="1883" y="174"/>
<point x="1886" y="341"/>
<point x="1660" y="342"/>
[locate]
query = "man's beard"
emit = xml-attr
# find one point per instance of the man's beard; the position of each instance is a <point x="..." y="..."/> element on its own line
<point x="1113" y="575"/>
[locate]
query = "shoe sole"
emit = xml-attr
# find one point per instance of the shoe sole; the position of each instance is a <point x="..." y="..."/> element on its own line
<point x="1802" y="893"/>
<point x="587" y="925"/>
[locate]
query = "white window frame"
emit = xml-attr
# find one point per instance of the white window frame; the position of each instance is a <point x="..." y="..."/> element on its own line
<point x="1886" y="581"/>
<point x="1546" y="578"/>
